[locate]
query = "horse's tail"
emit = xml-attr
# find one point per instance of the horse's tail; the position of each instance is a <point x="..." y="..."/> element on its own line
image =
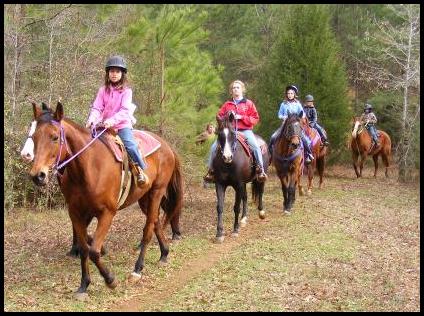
<point x="257" y="191"/>
<point x="172" y="202"/>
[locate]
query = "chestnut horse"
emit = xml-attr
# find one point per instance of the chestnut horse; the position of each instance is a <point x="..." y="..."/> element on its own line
<point x="361" y="145"/>
<point x="319" y="151"/>
<point x="287" y="157"/>
<point x="234" y="168"/>
<point x="90" y="183"/>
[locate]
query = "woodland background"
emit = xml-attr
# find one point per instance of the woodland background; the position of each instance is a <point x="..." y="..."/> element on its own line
<point x="181" y="59"/>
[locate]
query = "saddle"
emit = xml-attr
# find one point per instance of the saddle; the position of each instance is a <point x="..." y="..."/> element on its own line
<point x="245" y="145"/>
<point x="147" y="145"/>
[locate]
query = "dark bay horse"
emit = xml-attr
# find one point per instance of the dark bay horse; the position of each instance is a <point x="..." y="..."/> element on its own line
<point x="361" y="145"/>
<point x="319" y="151"/>
<point x="91" y="181"/>
<point x="234" y="168"/>
<point x="287" y="157"/>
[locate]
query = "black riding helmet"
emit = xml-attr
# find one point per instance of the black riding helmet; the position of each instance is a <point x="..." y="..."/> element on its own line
<point x="116" y="61"/>
<point x="368" y="107"/>
<point x="292" y="87"/>
<point x="309" y="98"/>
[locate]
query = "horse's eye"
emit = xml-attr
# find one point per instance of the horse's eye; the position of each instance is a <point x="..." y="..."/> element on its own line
<point x="55" y="138"/>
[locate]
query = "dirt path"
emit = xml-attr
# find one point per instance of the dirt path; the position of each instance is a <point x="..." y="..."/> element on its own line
<point x="150" y="297"/>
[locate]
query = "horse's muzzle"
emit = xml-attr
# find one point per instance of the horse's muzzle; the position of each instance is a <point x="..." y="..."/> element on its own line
<point x="228" y="159"/>
<point x="40" y="178"/>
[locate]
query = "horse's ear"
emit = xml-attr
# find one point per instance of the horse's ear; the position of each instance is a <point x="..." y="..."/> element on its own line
<point x="300" y="114"/>
<point x="231" y="116"/>
<point x="58" y="114"/>
<point x="36" y="109"/>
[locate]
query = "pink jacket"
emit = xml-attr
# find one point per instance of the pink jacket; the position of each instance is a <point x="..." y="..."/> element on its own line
<point x="115" y="106"/>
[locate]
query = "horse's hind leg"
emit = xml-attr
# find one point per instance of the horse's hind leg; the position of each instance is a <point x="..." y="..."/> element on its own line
<point x="385" y="159"/>
<point x="155" y="197"/>
<point x="103" y="226"/>
<point x="375" y="158"/>
<point x="164" y="249"/>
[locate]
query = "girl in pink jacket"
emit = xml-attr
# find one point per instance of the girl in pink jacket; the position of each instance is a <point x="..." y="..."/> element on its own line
<point x="113" y="107"/>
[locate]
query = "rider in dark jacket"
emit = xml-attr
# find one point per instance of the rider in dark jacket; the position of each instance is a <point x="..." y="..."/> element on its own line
<point x="311" y="114"/>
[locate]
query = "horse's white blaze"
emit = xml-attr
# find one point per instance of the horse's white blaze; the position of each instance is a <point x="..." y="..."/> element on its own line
<point x="355" y="129"/>
<point x="27" y="152"/>
<point x="227" y="149"/>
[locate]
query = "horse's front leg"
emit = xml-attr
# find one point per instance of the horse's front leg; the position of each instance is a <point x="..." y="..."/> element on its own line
<point x="220" y="195"/>
<point x="103" y="226"/>
<point x="75" y="249"/>
<point x="243" y="220"/>
<point x="355" y="156"/>
<point x="81" y="234"/>
<point x="240" y="192"/>
<point x="155" y="197"/>
<point x="284" y="185"/>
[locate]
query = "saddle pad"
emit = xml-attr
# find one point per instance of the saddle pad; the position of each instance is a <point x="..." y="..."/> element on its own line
<point x="147" y="144"/>
<point x="243" y="141"/>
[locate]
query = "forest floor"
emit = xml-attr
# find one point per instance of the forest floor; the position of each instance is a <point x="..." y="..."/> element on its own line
<point x="353" y="245"/>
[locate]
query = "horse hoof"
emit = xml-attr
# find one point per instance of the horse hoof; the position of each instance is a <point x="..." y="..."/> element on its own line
<point x="113" y="284"/>
<point x="262" y="214"/>
<point x="287" y="212"/>
<point x="81" y="296"/>
<point x="219" y="240"/>
<point x="243" y="222"/>
<point x="134" y="276"/>
<point x="162" y="262"/>
<point x="73" y="253"/>
<point x="234" y="234"/>
<point x="309" y="192"/>
<point x="176" y="237"/>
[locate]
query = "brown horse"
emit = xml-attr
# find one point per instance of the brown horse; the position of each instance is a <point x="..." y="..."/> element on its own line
<point x="319" y="151"/>
<point x="361" y="144"/>
<point x="91" y="181"/>
<point x="287" y="157"/>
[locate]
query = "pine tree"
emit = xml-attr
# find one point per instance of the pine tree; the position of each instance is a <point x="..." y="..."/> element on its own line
<point x="306" y="54"/>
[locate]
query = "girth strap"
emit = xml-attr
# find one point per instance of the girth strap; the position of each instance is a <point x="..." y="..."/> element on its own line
<point x="125" y="174"/>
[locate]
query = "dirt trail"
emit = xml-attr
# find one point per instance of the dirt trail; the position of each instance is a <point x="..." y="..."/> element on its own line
<point x="150" y="297"/>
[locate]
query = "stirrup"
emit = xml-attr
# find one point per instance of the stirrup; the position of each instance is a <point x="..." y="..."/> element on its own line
<point x="262" y="177"/>
<point x="142" y="178"/>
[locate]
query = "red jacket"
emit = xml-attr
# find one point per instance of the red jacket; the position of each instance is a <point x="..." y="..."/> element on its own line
<point x="246" y="108"/>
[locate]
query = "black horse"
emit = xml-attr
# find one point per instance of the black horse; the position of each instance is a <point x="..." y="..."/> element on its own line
<point x="233" y="167"/>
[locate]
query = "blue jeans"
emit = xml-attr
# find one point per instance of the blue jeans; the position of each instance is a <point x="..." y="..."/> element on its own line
<point x="251" y="140"/>
<point x="131" y="146"/>
<point x="320" y="130"/>
<point x="371" y="128"/>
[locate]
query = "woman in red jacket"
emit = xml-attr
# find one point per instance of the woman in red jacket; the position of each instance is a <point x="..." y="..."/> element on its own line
<point x="247" y="117"/>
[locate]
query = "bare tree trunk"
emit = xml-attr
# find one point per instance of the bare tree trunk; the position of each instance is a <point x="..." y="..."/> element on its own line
<point x="162" y="90"/>
<point x="19" y="12"/>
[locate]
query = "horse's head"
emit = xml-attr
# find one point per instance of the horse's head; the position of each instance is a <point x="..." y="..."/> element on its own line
<point x="356" y="124"/>
<point x="291" y="131"/>
<point x="227" y="139"/>
<point x="47" y="139"/>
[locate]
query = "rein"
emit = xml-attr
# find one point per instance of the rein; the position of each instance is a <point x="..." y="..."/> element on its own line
<point x="58" y="166"/>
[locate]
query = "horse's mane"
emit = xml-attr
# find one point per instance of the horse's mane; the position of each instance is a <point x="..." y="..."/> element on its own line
<point x="288" y="122"/>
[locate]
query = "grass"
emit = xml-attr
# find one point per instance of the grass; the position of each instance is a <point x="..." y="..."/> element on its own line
<point x="352" y="246"/>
